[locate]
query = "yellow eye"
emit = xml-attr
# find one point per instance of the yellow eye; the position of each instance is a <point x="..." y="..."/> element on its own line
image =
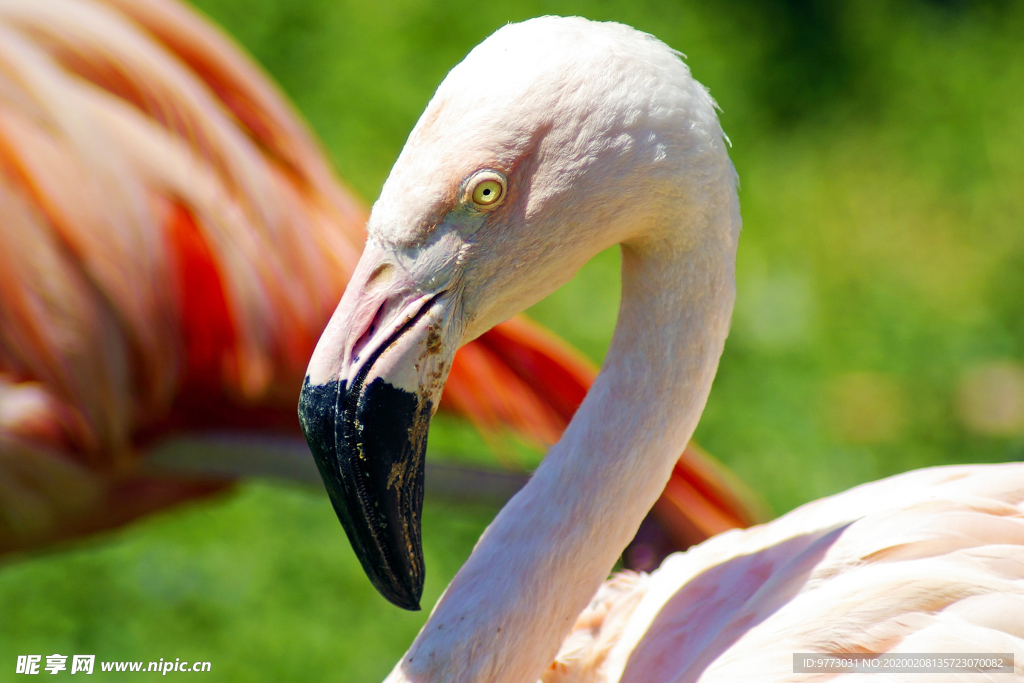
<point x="487" y="192"/>
<point x="487" y="189"/>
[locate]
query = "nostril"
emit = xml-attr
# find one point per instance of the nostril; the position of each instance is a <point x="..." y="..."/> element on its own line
<point x="368" y="333"/>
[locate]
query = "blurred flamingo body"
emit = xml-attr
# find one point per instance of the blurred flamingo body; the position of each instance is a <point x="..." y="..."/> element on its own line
<point x="172" y="242"/>
<point x="601" y="135"/>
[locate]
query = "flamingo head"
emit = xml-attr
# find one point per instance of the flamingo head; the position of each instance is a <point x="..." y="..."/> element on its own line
<point x="552" y="140"/>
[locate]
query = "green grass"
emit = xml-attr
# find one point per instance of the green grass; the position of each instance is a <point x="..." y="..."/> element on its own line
<point x="882" y="262"/>
<point x="262" y="585"/>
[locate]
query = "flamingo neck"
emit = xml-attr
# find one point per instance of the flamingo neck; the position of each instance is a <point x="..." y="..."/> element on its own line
<point x="542" y="559"/>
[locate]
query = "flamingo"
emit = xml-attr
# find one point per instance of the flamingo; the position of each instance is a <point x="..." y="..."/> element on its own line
<point x="554" y="139"/>
<point x="172" y="242"/>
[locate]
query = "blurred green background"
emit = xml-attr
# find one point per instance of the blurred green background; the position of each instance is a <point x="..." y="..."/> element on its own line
<point x="879" y="325"/>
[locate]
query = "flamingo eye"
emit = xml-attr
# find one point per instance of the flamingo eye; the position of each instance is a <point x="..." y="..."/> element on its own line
<point x="486" y="189"/>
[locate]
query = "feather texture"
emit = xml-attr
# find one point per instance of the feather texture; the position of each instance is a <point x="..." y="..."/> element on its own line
<point x="928" y="561"/>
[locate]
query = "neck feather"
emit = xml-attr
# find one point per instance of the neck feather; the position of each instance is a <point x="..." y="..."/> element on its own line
<point x="540" y="562"/>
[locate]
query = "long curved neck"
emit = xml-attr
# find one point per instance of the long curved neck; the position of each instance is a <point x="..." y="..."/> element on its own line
<point x="537" y="566"/>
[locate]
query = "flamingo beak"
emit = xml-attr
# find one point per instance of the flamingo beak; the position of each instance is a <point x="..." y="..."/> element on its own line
<point x="372" y="386"/>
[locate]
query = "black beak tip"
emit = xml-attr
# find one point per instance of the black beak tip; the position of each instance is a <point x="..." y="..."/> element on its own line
<point x="374" y="476"/>
<point x="407" y="596"/>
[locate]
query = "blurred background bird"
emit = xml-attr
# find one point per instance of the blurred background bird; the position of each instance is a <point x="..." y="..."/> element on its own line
<point x="172" y="243"/>
<point x="879" y="323"/>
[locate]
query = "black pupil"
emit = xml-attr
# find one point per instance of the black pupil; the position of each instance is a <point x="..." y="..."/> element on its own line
<point x="486" y="191"/>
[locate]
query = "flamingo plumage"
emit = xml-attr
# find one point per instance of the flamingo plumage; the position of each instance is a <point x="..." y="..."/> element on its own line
<point x="172" y="243"/>
<point x="552" y="140"/>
